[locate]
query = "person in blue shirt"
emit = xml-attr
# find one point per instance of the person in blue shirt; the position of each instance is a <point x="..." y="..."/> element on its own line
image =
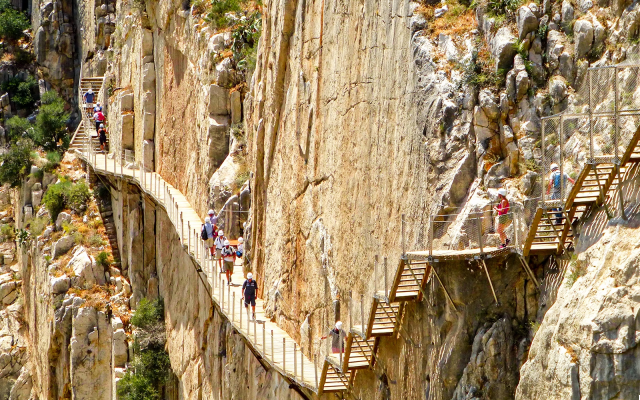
<point x="249" y="290"/>
<point x="555" y="188"/>
<point x="88" y="101"/>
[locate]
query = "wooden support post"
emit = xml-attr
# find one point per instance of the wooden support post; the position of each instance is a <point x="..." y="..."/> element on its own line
<point x="528" y="270"/>
<point x="446" y="292"/>
<point x="623" y="215"/>
<point x="490" y="283"/>
<point x="375" y="275"/>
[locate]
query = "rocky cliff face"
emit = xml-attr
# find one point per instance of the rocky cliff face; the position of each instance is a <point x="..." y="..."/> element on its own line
<point x="587" y="346"/>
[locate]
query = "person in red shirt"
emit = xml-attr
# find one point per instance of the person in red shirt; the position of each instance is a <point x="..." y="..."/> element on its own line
<point x="504" y="218"/>
<point x="99" y="118"/>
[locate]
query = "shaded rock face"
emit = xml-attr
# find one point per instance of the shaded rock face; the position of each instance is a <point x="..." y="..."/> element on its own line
<point x="54" y="43"/>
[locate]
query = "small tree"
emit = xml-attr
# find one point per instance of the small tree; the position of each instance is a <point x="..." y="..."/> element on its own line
<point x="12" y="23"/>
<point x="19" y="128"/>
<point x="16" y="163"/>
<point x="51" y="123"/>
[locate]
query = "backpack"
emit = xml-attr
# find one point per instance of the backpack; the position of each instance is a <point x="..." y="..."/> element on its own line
<point x="556" y="179"/>
<point x="203" y="233"/>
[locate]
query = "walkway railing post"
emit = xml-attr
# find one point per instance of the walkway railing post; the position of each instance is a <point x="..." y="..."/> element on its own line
<point x="273" y="356"/>
<point x="375" y="274"/>
<point x="284" y="355"/>
<point x="430" y="235"/>
<point x="315" y="368"/>
<point x="121" y="164"/>
<point x="362" y="314"/>
<point x="403" y="242"/>
<point x="228" y="296"/>
<point x="233" y="308"/>
<point x="189" y="237"/>
<point x="561" y="141"/>
<point x="181" y="228"/>
<point x="221" y="299"/>
<point x="264" y="347"/>
<point x="480" y="234"/>
<point x="386" y="283"/>
<point x="301" y="365"/>
<point x="295" y="361"/>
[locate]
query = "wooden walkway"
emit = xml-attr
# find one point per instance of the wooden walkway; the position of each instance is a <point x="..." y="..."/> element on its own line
<point x="552" y="234"/>
<point x="384" y="319"/>
<point x="272" y="344"/>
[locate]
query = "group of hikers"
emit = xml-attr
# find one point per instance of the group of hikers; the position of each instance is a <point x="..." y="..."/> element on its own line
<point x="554" y="190"/>
<point x="219" y="249"/>
<point x="95" y="113"/>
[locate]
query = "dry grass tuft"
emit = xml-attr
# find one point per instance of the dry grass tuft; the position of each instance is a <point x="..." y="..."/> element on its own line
<point x="455" y="22"/>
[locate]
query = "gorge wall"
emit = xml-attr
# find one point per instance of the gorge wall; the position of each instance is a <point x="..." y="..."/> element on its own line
<point x="356" y="113"/>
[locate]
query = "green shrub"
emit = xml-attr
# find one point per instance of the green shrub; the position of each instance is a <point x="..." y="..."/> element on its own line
<point x="16" y="163"/>
<point x="18" y="128"/>
<point x="96" y="240"/>
<point x="37" y="225"/>
<point x="149" y="313"/>
<point x="51" y="123"/>
<point x="54" y="199"/>
<point x="136" y="387"/>
<point x="23" y="57"/>
<point x="245" y="42"/>
<point x="12" y="23"/>
<point x="101" y="192"/>
<point x="78" y="196"/>
<point x="23" y="96"/>
<point x="53" y="161"/>
<point x="219" y="8"/>
<point x="7" y="232"/>
<point x="502" y="7"/>
<point x="102" y="259"/>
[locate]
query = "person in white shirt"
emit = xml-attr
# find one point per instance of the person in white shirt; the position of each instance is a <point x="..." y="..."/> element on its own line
<point x="229" y="258"/>
<point x="219" y="243"/>
<point x="240" y="248"/>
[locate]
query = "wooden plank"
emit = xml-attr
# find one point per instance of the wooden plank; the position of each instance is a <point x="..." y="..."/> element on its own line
<point x="323" y="377"/>
<point x="396" y="280"/>
<point x="532" y="231"/>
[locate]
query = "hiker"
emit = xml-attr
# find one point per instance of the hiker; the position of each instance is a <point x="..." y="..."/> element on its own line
<point x="504" y="218"/>
<point x="99" y="118"/>
<point x="213" y="216"/>
<point x="102" y="136"/>
<point x="337" y="338"/>
<point x="207" y="236"/>
<point x="229" y="258"/>
<point x="554" y="187"/>
<point x="88" y="101"/>
<point x="240" y="248"/>
<point x="249" y="289"/>
<point x="219" y="243"/>
<point x="97" y="108"/>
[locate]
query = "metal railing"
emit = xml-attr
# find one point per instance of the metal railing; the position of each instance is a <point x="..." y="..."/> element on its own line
<point x="598" y="130"/>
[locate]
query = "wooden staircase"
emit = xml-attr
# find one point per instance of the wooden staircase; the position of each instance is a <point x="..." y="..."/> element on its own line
<point x="80" y="137"/>
<point x="93" y="83"/>
<point x="384" y="320"/>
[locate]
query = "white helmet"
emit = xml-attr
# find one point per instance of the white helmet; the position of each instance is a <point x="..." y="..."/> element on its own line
<point x="226" y="243"/>
<point x="207" y="220"/>
<point x="240" y="240"/>
<point x="98" y="104"/>
<point x="90" y="91"/>
<point x="101" y="125"/>
<point x="220" y="233"/>
<point x="554" y="166"/>
<point x="339" y="325"/>
<point x="211" y="212"/>
<point x="249" y="275"/>
<point x="502" y="192"/>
